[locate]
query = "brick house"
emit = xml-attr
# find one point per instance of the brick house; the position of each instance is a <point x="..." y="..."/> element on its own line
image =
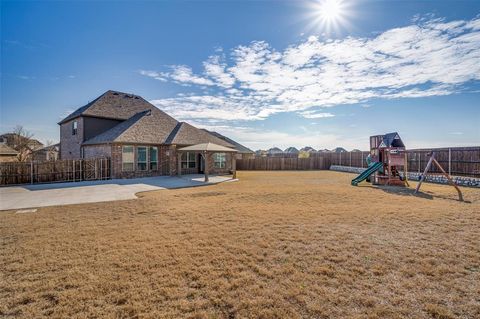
<point x="7" y="154"/>
<point x="140" y="139"/>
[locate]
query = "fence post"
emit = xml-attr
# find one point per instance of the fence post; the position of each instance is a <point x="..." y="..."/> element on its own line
<point x="340" y="161"/>
<point x="361" y="158"/>
<point x="73" y="165"/>
<point x="350" y="158"/>
<point x="419" y="155"/>
<point x="31" y="172"/>
<point x="450" y="161"/>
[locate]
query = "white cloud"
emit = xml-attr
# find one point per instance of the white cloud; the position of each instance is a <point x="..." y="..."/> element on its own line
<point x="315" y="115"/>
<point x="431" y="57"/>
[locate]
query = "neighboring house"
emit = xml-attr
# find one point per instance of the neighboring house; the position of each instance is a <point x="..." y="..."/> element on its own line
<point x="47" y="153"/>
<point x="7" y="154"/>
<point x="274" y="151"/>
<point x="23" y="145"/>
<point x="308" y="149"/>
<point x="243" y="151"/>
<point x="339" y="150"/>
<point x="261" y="153"/>
<point x="140" y="139"/>
<point x="291" y="150"/>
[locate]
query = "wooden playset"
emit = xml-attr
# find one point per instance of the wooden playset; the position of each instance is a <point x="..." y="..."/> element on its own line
<point x="387" y="158"/>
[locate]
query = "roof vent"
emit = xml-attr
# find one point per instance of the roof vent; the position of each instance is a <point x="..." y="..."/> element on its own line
<point x="115" y="93"/>
<point x="148" y="113"/>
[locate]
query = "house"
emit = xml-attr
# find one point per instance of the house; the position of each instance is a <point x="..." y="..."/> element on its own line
<point x="47" y="153"/>
<point x="339" y="150"/>
<point x="308" y="149"/>
<point x="274" y="151"/>
<point x="243" y="151"/>
<point x="260" y="153"/>
<point x="140" y="139"/>
<point x="24" y="146"/>
<point x="291" y="150"/>
<point x="7" y="154"/>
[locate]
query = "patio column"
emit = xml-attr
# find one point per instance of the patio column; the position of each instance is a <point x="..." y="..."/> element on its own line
<point x="205" y="156"/>
<point x="234" y="165"/>
<point x="179" y="164"/>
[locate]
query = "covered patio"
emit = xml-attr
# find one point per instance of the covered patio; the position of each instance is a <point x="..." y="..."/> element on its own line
<point x="206" y="150"/>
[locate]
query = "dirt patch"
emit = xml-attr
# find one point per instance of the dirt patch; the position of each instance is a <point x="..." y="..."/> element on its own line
<point x="274" y="244"/>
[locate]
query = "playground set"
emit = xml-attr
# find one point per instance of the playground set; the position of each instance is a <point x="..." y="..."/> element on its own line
<point x="387" y="158"/>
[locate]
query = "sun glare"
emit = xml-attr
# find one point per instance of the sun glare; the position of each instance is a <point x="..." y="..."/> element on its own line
<point x="330" y="15"/>
<point x="330" y="10"/>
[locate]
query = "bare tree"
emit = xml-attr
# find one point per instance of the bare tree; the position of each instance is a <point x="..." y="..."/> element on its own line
<point x="22" y="142"/>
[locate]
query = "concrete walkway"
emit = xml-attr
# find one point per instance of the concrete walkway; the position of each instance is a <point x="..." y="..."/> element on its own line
<point x="41" y="195"/>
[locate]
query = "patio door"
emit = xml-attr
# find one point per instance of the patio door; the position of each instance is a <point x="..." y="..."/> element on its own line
<point x="201" y="164"/>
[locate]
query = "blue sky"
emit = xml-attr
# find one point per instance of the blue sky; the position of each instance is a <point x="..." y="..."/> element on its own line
<point x="266" y="73"/>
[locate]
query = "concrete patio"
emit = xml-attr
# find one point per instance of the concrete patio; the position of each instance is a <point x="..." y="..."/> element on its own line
<point x="41" y="195"/>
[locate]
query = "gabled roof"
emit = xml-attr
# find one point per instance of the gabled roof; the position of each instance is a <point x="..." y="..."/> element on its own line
<point x="186" y="134"/>
<point x="291" y="150"/>
<point x="339" y="150"/>
<point x="239" y="147"/>
<point x="112" y="104"/>
<point x="392" y="140"/>
<point x="274" y="150"/>
<point x="148" y="127"/>
<point x="207" y="147"/>
<point x="7" y="150"/>
<point x="308" y="149"/>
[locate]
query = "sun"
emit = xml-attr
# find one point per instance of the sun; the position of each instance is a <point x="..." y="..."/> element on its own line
<point x="330" y="10"/>
<point x="330" y="16"/>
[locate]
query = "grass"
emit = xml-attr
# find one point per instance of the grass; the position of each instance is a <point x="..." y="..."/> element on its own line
<point x="273" y="245"/>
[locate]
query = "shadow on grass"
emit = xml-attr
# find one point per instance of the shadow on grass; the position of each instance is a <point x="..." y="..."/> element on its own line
<point x="408" y="191"/>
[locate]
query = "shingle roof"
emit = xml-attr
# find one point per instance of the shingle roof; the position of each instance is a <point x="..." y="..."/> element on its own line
<point x="239" y="147"/>
<point x="186" y="134"/>
<point x="112" y="104"/>
<point x="209" y="147"/>
<point x="149" y="127"/>
<point x="393" y="140"/>
<point x="291" y="150"/>
<point x="143" y="123"/>
<point x="7" y="150"/>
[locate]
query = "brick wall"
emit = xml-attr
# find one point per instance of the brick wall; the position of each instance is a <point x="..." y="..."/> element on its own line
<point x="70" y="144"/>
<point x="163" y="166"/>
<point x="95" y="151"/>
<point x="228" y="165"/>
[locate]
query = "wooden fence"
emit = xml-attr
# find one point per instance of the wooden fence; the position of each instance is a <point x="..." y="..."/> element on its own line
<point x="458" y="161"/>
<point x="12" y="173"/>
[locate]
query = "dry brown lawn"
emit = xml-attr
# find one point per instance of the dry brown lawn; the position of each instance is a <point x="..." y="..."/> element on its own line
<point x="273" y="245"/>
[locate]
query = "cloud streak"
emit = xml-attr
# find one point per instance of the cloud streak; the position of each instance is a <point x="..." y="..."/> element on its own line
<point x="428" y="58"/>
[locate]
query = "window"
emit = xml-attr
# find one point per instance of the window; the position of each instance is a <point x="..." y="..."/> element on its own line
<point x="127" y="158"/>
<point x="74" y="127"/>
<point x="142" y="158"/>
<point x="219" y="160"/>
<point x="153" y="158"/>
<point x="188" y="160"/>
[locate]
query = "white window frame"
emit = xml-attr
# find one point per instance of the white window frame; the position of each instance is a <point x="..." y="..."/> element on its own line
<point x="74" y="127"/>
<point x="186" y="160"/>
<point x="219" y="160"/>
<point x="124" y="160"/>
